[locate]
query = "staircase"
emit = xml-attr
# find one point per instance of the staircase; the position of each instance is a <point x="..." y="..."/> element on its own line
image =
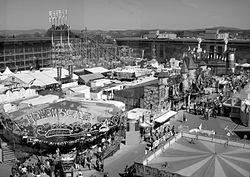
<point x="8" y="155"/>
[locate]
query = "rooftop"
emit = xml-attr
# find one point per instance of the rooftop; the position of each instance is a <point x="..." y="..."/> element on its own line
<point x="203" y="158"/>
<point x="97" y="70"/>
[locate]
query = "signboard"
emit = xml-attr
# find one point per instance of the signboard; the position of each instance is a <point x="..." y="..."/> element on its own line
<point x="58" y="16"/>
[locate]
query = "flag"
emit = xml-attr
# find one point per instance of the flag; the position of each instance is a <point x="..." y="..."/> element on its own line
<point x="200" y="127"/>
<point x="32" y="81"/>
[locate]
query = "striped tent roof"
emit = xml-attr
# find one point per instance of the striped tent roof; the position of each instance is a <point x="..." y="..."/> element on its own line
<point x="205" y="159"/>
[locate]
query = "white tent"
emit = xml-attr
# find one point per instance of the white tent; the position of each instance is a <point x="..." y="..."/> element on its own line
<point x="245" y="65"/>
<point x="7" y="71"/>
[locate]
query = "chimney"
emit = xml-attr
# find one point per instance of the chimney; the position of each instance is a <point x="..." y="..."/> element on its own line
<point x="71" y="70"/>
<point x="59" y="72"/>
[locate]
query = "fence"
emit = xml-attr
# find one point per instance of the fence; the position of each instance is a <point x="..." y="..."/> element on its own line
<point x="161" y="148"/>
<point x="163" y="145"/>
<point x="218" y="139"/>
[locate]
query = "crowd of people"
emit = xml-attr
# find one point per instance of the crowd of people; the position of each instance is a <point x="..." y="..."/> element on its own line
<point x="49" y="168"/>
<point x="213" y="107"/>
<point x="157" y="134"/>
<point x="89" y="157"/>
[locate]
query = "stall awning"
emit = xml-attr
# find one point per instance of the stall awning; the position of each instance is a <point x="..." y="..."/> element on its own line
<point x="165" y="117"/>
<point x="146" y="124"/>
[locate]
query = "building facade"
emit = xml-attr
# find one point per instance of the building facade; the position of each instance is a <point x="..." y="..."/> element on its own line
<point x="164" y="49"/>
<point x="23" y="54"/>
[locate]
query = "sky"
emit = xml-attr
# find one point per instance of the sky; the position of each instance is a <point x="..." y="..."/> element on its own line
<point x="127" y="14"/>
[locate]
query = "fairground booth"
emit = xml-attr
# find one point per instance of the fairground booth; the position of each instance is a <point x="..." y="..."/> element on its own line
<point x="138" y="123"/>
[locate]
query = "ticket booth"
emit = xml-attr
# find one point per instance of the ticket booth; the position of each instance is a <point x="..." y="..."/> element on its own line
<point x="135" y="117"/>
<point x="132" y="132"/>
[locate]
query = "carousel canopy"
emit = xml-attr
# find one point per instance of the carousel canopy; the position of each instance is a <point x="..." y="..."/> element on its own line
<point x="41" y="100"/>
<point x="203" y="159"/>
<point x="64" y="116"/>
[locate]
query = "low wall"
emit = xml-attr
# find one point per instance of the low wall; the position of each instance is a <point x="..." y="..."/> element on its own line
<point x="138" y="169"/>
<point x="214" y="138"/>
<point x="218" y="139"/>
<point x="161" y="148"/>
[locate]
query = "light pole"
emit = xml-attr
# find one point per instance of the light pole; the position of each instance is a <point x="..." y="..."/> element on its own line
<point x="14" y="143"/>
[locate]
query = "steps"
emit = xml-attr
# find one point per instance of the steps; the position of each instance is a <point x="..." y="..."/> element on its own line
<point x="8" y="155"/>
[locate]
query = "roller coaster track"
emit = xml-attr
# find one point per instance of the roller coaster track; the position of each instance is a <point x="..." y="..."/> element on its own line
<point x="87" y="49"/>
<point x="101" y="45"/>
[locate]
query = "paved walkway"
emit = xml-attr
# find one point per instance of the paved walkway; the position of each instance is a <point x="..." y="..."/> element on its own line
<point x="217" y="124"/>
<point x="127" y="155"/>
<point x="5" y="170"/>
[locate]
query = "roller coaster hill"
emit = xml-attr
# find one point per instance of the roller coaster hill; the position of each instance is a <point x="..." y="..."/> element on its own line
<point x="87" y="49"/>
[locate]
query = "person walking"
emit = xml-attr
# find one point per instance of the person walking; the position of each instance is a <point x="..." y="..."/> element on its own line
<point x="184" y="118"/>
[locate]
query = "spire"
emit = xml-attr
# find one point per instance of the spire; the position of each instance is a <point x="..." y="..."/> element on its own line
<point x="202" y="63"/>
<point x="191" y="64"/>
<point x="184" y="69"/>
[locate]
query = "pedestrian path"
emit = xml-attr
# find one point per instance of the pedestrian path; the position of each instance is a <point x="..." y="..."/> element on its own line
<point x="127" y="155"/>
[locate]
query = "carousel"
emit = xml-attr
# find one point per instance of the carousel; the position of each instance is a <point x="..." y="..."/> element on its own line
<point x="62" y="124"/>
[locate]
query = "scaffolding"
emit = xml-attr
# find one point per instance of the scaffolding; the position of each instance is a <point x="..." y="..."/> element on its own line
<point x="83" y="51"/>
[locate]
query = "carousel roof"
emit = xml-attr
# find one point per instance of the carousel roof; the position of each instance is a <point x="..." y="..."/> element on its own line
<point x="203" y="159"/>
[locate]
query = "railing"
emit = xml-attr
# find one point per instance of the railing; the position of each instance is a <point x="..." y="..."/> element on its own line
<point x="218" y="139"/>
<point x="161" y="145"/>
<point x="161" y="148"/>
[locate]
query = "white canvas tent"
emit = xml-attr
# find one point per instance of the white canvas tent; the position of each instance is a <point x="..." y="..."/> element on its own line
<point x="7" y="71"/>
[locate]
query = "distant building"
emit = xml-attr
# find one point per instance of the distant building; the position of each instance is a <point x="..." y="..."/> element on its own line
<point x="223" y="36"/>
<point x="211" y="34"/>
<point x="26" y="53"/>
<point x="215" y="34"/>
<point x="167" y="35"/>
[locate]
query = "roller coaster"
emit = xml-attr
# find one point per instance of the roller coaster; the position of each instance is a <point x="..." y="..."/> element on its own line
<point x="85" y="51"/>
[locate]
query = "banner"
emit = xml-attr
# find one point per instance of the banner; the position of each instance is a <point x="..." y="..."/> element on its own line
<point x="162" y="139"/>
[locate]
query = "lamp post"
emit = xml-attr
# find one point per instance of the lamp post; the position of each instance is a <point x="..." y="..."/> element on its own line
<point x="14" y="143"/>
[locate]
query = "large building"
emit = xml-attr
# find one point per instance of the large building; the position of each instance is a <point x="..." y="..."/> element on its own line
<point x="22" y="54"/>
<point x="164" y="49"/>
